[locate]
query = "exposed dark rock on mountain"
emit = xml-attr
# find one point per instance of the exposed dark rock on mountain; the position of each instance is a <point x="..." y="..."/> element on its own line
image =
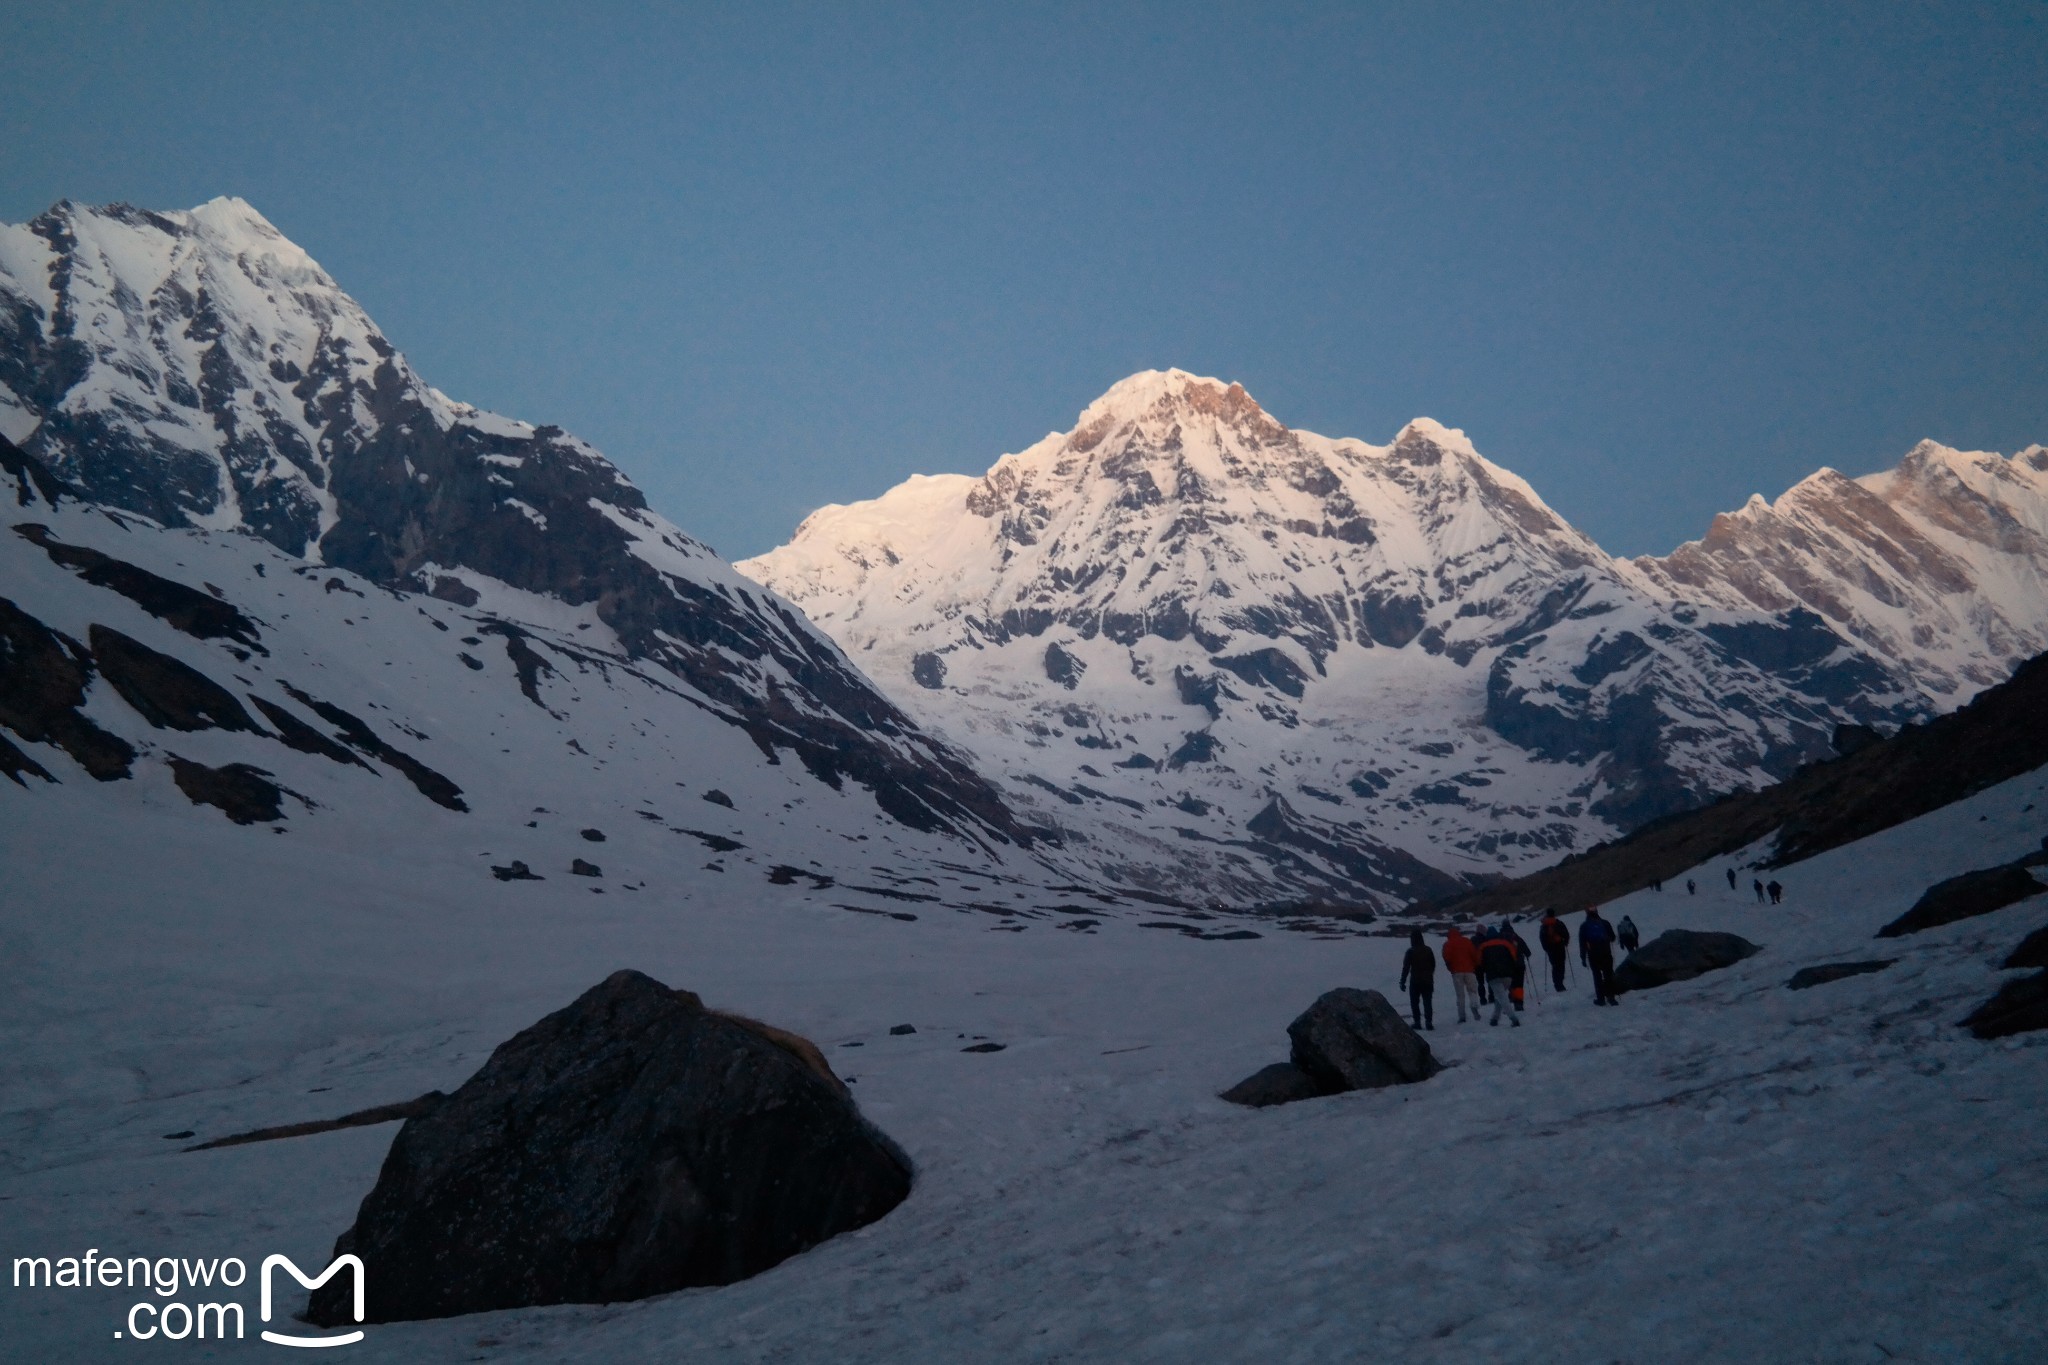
<point x="296" y="734"/>
<point x="243" y="791"/>
<point x="1965" y="897"/>
<point x="30" y="477"/>
<point x="168" y="693"/>
<point x="1825" y="805"/>
<point x="43" y="677"/>
<point x="429" y="783"/>
<point x="187" y="609"/>
<point x="631" y="1144"/>
<point x="1680" y="955"/>
<point x="14" y="764"/>
<point x="1348" y="1039"/>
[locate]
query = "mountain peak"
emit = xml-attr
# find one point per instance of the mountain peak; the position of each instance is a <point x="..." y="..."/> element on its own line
<point x="1171" y="393"/>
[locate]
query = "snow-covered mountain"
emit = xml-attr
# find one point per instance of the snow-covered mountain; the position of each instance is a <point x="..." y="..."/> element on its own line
<point x="202" y="372"/>
<point x="1251" y="662"/>
<point x="1940" y="564"/>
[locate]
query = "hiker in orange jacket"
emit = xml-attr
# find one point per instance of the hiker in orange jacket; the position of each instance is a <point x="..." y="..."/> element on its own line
<point x="1461" y="960"/>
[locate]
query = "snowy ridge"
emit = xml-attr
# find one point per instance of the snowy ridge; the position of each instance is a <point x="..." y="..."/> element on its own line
<point x="1940" y="564"/>
<point x="202" y="371"/>
<point x="1216" y="651"/>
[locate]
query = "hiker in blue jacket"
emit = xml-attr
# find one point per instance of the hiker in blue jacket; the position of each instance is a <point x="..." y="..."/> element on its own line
<point x="1596" y="950"/>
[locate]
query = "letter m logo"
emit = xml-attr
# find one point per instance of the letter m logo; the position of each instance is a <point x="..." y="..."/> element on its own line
<point x="340" y="1263"/>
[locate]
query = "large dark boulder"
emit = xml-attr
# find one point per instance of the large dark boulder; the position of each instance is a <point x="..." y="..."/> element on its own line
<point x="1964" y="897"/>
<point x="1347" y="1040"/>
<point x="631" y="1144"/>
<point x="1680" y="955"/>
<point x="1354" y="1040"/>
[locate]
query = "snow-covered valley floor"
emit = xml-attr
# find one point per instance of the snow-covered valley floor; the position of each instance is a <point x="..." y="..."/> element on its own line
<point x="1718" y="1170"/>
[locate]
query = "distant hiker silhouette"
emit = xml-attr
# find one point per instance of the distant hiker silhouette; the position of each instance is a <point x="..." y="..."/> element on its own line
<point x="1759" y="885"/>
<point x="1625" y="934"/>
<point x="1731" y="879"/>
<point x="1461" y="960"/>
<point x="1691" y="888"/>
<point x="1418" y="978"/>
<point x="1596" y="950"/>
<point x="1777" y="893"/>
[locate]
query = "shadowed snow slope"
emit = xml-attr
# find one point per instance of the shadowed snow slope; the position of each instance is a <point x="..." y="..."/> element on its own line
<point x="1743" y="1172"/>
<point x="1223" y="653"/>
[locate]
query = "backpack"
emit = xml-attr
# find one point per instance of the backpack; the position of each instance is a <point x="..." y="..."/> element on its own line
<point x="1554" y="934"/>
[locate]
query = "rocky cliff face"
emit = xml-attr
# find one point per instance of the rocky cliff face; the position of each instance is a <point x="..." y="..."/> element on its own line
<point x="202" y="371"/>
<point x="1235" y="658"/>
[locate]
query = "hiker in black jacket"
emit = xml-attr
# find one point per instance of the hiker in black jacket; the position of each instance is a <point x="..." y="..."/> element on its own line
<point x="1418" y="978"/>
<point x="1499" y="961"/>
<point x="1627" y="935"/>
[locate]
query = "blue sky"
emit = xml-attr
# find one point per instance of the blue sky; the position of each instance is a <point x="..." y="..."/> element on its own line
<point x="770" y="256"/>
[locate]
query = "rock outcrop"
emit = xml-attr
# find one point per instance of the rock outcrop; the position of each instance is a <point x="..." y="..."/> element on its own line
<point x="1680" y="955"/>
<point x="1965" y="897"/>
<point x="631" y="1144"/>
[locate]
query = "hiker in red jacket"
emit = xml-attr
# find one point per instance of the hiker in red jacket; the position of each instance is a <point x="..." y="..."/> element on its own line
<point x="1557" y="941"/>
<point x="1461" y="960"/>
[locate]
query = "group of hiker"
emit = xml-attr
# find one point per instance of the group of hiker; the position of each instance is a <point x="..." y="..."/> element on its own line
<point x="1492" y="965"/>
<point x="1766" y="892"/>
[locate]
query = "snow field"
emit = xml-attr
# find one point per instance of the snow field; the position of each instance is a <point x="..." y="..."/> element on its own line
<point x="1717" y="1170"/>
